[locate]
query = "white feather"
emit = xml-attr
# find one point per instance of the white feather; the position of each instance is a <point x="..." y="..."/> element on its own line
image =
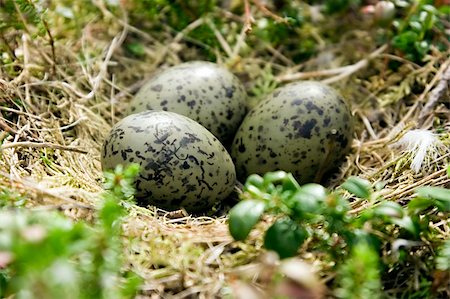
<point x="423" y="146"/>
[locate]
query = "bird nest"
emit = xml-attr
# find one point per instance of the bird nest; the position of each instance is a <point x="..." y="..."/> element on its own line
<point x="60" y="96"/>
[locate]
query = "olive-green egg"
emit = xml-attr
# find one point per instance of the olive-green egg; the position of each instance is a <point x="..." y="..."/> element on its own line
<point x="182" y="165"/>
<point x="304" y="128"/>
<point x="203" y="91"/>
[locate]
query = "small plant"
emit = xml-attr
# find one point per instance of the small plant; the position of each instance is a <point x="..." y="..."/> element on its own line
<point x="414" y="34"/>
<point x="335" y="6"/>
<point x="22" y="15"/>
<point x="311" y="212"/>
<point x="359" y="276"/>
<point x="46" y="255"/>
<point x="10" y="198"/>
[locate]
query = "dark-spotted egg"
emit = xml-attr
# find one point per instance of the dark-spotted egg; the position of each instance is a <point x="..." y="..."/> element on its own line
<point x="182" y="165"/>
<point x="203" y="91"/>
<point x="304" y="128"/>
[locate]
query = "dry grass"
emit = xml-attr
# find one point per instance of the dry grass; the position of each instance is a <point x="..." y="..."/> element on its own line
<point x="55" y="115"/>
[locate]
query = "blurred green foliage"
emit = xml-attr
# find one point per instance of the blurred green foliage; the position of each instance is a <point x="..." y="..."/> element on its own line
<point x="414" y="29"/>
<point x="359" y="277"/>
<point x="43" y="254"/>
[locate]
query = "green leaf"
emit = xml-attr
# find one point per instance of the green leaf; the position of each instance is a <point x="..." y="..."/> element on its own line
<point x="358" y="186"/>
<point x="407" y="223"/>
<point x="416" y="26"/>
<point x="254" y="191"/>
<point x="243" y="217"/>
<point x="443" y="257"/>
<point x="434" y="192"/>
<point x="290" y="183"/>
<point x="389" y="209"/>
<point x="420" y="204"/>
<point x="422" y="47"/>
<point x="316" y="191"/>
<point x="309" y="198"/>
<point x="274" y="177"/>
<point x="285" y="237"/>
<point x="441" y="196"/>
<point x="405" y="41"/>
<point x="131" y="171"/>
<point x="111" y="213"/>
<point x="359" y="276"/>
<point x="254" y="180"/>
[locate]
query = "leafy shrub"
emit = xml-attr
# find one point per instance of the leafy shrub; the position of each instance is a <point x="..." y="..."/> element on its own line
<point x="414" y="33"/>
<point x="325" y="218"/>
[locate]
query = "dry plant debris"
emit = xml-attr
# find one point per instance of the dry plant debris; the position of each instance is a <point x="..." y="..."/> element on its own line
<point x="60" y="97"/>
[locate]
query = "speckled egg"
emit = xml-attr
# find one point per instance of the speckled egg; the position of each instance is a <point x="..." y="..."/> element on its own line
<point x="182" y="163"/>
<point x="304" y="128"/>
<point x="200" y="90"/>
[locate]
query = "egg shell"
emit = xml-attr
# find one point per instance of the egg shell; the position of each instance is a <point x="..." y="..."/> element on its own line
<point x="304" y="128"/>
<point x="181" y="163"/>
<point x="203" y="91"/>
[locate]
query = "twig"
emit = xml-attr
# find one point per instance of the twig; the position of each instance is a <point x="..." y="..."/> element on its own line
<point x="42" y="145"/>
<point x="182" y="34"/>
<point x="20" y="112"/>
<point x="240" y="42"/>
<point x="340" y="72"/>
<point x="225" y="46"/>
<point x="276" y="53"/>
<point x="368" y="126"/>
<point x="5" y="127"/>
<point x="436" y="93"/>
<point x="52" y="45"/>
<point x="267" y="12"/>
<point x="248" y="19"/>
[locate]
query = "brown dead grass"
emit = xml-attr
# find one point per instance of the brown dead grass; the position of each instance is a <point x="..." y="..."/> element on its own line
<point x="54" y="122"/>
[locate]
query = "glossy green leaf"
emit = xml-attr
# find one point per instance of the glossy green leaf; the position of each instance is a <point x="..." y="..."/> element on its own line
<point x="290" y="183"/>
<point x="389" y="209"/>
<point x="309" y="198"/>
<point x="316" y="191"/>
<point x="358" y="186"/>
<point x="420" y="204"/>
<point x="254" y="191"/>
<point x="408" y="224"/>
<point x="405" y="41"/>
<point x="243" y="217"/>
<point x="441" y="196"/>
<point x="254" y="180"/>
<point x="285" y="237"/>
<point x="274" y="177"/>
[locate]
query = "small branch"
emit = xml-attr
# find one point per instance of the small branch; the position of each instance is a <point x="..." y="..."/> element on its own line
<point x="368" y="126"/>
<point x="183" y="33"/>
<point x="5" y="127"/>
<point x="240" y="41"/>
<point x="437" y="92"/>
<point x="42" y="145"/>
<point x="52" y="45"/>
<point x="338" y="73"/>
<point x="225" y="46"/>
<point x="20" y="112"/>
<point x="248" y="19"/>
<point x="268" y="13"/>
